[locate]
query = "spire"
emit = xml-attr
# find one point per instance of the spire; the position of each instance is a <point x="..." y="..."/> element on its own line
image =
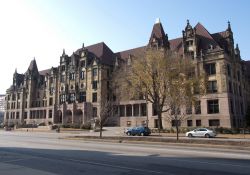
<point x="228" y="26"/>
<point x="237" y="46"/>
<point x="157" y="21"/>
<point x="63" y="52"/>
<point x="33" y="66"/>
<point x="237" y="50"/>
<point x="158" y="36"/>
<point x="82" y="45"/>
<point x="188" y="26"/>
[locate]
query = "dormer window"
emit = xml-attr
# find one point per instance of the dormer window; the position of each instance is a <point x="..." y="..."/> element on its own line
<point x="82" y="63"/>
<point x="72" y="76"/>
<point x="210" y="47"/>
<point x="94" y="72"/>
<point x="63" y="68"/>
<point x="82" y="75"/>
<point x="83" y="54"/>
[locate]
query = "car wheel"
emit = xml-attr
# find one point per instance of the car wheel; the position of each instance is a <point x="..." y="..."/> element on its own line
<point x="207" y="135"/>
<point x="190" y="135"/>
<point x="129" y="133"/>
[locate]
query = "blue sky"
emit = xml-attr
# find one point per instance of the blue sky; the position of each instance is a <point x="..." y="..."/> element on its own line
<point x="42" y="28"/>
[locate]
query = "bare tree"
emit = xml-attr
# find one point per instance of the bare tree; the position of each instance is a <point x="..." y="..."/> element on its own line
<point x="147" y="75"/>
<point x="185" y="86"/>
<point x="107" y="110"/>
<point x="155" y="74"/>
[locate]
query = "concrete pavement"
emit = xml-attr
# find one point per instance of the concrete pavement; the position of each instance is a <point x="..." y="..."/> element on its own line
<point x="43" y="153"/>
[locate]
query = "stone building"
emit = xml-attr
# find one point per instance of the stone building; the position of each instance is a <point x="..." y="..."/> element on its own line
<point x="72" y="92"/>
<point x="2" y="107"/>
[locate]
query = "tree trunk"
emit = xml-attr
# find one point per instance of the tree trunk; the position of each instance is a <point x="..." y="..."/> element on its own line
<point x="177" y="132"/>
<point x="101" y="130"/>
<point x="160" y="121"/>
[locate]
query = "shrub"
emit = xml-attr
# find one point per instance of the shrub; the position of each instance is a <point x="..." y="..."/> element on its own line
<point x="86" y="126"/>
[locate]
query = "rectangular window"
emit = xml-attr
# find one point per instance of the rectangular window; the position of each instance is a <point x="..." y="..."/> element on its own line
<point x="63" y="68"/>
<point x="94" y="85"/>
<point x="175" y="123"/>
<point x="50" y="113"/>
<point x="94" y="110"/>
<point x="62" y="98"/>
<point x="229" y="70"/>
<point x="94" y="72"/>
<point x="72" y="98"/>
<point x="82" y="63"/>
<point x="198" y="122"/>
<point x="82" y="97"/>
<point x="122" y="110"/>
<point x="189" y="123"/>
<point x="210" y="69"/>
<point x="232" y="106"/>
<point x="143" y="109"/>
<point x="72" y="76"/>
<point x="62" y="78"/>
<point x="197" y="107"/>
<point x="17" y="115"/>
<point x="230" y="89"/>
<point x="212" y="106"/>
<point x="51" y="79"/>
<point x="214" y="123"/>
<point x="82" y="75"/>
<point x="50" y="101"/>
<point x="136" y="110"/>
<point x="212" y="87"/>
<point x="128" y="110"/>
<point x="25" y="115"/>
<point x="154" y="111"/>
<point x="94" y="97"/>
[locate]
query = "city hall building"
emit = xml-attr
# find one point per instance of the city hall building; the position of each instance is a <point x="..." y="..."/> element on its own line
<point x="72" y="92"/>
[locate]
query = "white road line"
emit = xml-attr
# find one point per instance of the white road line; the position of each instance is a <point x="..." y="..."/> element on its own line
<point x="119" y="167"/>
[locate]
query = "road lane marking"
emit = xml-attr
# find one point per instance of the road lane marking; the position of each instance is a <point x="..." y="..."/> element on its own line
<point x="15" y="160"/>
<point x="119" y="167"/>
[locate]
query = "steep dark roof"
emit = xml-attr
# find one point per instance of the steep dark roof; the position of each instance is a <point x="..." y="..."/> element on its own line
<point x="133" y="52"/>
<point x="176" y="45"/>
<point x="158" y="31"/>
<point x="205" y="38"/>
<point x="101" y="51"/>
<point x="44" y="72"/>
<point x="32" y="66"/>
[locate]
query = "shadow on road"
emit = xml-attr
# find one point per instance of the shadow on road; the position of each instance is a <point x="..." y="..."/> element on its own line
<point x="79" y="162"/>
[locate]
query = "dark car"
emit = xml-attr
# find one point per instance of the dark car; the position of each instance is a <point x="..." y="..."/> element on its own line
<point x="140" y="131"/>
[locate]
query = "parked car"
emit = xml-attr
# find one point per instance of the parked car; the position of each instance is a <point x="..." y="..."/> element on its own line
<point x="201" y="132"/>
<point x="140" y="131"/>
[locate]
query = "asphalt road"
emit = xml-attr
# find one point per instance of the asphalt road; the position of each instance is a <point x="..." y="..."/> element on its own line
<point x="28" y="153"/>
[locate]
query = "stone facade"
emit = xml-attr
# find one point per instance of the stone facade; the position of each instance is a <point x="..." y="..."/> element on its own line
<point x="72" y="92"/>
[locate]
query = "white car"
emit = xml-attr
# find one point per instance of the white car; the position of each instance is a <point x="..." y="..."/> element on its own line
<point x="201" y="132"/>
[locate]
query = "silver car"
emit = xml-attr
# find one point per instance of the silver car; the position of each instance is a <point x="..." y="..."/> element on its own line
<point x="201" y="132"/>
